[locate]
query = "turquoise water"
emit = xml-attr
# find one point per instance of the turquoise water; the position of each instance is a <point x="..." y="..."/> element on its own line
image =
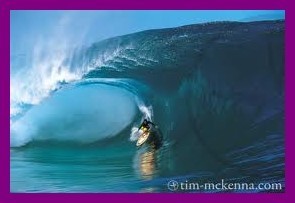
<point x="108" y="168"/>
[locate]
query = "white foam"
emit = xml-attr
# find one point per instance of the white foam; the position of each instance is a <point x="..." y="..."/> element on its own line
<point x="135" y="133"/>
<point x="147" y="113"/>
<point x="49" y="65"/>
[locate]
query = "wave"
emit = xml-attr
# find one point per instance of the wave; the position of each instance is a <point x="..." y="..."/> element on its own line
<point x="85" y="112"/>
<point x="211" y="88"/>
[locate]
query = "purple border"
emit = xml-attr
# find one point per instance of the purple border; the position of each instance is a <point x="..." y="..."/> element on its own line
<point x="7" y="5"/>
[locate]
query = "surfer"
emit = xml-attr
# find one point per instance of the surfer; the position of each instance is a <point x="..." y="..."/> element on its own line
<point x="151" y="134"/>
<point x="145" y="125"/>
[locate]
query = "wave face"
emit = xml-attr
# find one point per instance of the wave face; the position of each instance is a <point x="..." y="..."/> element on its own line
<point x="215" y="90"/>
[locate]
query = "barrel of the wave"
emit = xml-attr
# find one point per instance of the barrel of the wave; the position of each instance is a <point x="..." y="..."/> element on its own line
<point x="107" y="111"/>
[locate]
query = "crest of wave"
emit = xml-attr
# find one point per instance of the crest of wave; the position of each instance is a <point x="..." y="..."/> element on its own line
<point x="51" y="65"/>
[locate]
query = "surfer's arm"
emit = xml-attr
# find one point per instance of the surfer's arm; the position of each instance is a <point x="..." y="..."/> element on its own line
<point x="139" y="127"/>
<point x="149" y="122"/>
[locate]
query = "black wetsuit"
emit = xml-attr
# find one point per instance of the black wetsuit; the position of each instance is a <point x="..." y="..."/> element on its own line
<point x="156" y="137"/>
<point x="146" y="124"/>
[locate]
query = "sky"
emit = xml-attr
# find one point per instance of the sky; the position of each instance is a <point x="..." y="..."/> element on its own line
<point x="27" y="27"/>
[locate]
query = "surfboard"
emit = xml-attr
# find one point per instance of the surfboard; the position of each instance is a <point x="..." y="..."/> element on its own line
<point x="143" y="138"/>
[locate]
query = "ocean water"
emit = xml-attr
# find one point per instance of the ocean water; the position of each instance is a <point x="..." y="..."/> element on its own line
<point x="215" y="91"/>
